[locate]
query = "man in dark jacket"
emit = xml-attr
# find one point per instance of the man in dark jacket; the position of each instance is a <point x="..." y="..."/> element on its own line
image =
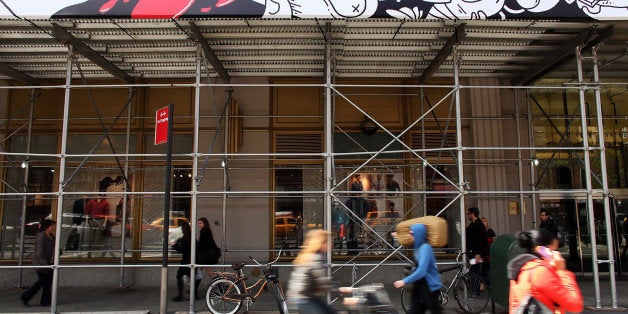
<point x="548" y="223"/>
<point x="477" y="246"/>
<point x="43" y="256"/>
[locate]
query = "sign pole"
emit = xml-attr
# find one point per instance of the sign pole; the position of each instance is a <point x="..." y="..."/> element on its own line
<point x="163" y="297"/>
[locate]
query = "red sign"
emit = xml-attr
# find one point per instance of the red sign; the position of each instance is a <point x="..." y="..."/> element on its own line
<point x="161" y="125"/>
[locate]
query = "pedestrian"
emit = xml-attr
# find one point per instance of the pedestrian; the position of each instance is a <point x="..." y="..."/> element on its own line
<point x="43" y="256"/>
<point x="208" y="252"/>
<point x="309" y="282"/>
<point x="183" y="246"/>
<point x="477" y="246"/>
<point x="425" y="277"/>
<point x="548" y="223"/>
<point x="541" y="273"/>
<point x="490" y="237"/>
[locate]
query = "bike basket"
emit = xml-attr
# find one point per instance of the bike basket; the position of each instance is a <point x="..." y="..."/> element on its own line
<point x="271" y="273"/>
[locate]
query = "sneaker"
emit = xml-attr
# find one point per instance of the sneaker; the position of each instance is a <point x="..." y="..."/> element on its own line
<point x="24" y="301"/>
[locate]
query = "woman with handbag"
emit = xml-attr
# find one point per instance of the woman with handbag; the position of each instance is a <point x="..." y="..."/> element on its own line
<point x="207" y="251"/>
<point x="540" y="277"/>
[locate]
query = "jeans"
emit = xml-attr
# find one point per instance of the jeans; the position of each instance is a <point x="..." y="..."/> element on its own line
<point x="44" y="281"/>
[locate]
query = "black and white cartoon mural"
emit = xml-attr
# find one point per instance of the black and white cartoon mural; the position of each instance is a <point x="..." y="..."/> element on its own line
<point x="402" y="9"/>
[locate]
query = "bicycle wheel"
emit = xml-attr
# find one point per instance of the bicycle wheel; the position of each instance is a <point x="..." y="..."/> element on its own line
<point x="471" y="293"/>
<point x="406" y="299"/>
<point x="222" y="295"/>
<point x="280" y="298"/>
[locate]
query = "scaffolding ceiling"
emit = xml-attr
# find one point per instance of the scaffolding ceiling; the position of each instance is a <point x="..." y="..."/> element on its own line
<point x="32" y="51"/>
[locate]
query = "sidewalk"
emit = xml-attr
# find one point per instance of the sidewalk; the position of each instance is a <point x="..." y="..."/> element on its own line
<point x="146" y="300"/>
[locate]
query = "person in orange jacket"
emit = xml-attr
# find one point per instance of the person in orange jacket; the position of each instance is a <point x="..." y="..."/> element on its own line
<point x="542" y="273"/>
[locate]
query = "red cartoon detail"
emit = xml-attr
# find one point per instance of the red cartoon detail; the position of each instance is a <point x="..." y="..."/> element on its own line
<point x="205" y="10"/>
<point x="160" y="8"/>
<point x="222" y="3"/>
<point x="107" y="6"/>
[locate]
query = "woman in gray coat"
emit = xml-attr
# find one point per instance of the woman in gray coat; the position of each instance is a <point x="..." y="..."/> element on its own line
<point x="44" y="254"/>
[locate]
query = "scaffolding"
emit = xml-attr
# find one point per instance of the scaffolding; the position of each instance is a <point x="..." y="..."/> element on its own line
<point x="335" y="175"/>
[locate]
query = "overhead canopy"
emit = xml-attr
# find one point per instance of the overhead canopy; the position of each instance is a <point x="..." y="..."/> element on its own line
<point x="108" y="46"/>
<point x="405" y="9"/>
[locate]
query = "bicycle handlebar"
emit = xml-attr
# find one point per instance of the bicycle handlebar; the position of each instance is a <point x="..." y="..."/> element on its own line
<point x="269" y="263"/>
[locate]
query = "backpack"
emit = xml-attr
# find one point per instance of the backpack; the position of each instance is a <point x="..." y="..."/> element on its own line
<point x="530" y="305"/>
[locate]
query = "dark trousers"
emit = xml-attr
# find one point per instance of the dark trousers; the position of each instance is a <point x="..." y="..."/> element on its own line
<point x="423" y="299"/>
<point x="44" y="281"/>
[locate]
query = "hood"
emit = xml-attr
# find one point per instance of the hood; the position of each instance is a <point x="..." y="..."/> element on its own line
<point x="419" y="231"/>
<point x="515" y="265"/>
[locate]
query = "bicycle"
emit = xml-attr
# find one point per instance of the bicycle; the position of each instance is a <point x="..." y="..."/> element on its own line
<point x="228" y="291"/>
<point x="470" y="289"/>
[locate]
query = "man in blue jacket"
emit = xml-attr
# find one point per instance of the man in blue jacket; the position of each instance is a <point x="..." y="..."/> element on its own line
<point x="425" y="277"/>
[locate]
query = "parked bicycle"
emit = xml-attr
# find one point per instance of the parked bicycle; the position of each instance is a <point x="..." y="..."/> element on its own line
<point x="229" y="290"/>
<point x="470" y="289"/>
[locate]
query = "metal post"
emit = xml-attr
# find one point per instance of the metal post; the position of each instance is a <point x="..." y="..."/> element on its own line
<point x="64" y="142"/>
<point x="532" y="166"/>
<point x="193" y="213"/>
<point x="519" y="155"/>
<point x="125" y="197"/>
<point x="328" y="147"/>
<point x="20" y="261"/>
<point x="459" y="148"/>
<point x="605" y="193"/>
<point x="587" y="172"/>
<point x="163" y="300"/>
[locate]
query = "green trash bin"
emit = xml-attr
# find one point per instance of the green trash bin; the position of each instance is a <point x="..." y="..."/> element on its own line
<point x="503" y="249"/>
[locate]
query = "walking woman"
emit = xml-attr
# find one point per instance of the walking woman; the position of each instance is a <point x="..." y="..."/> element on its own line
<point x="183" y="246"/>
<point x="44" y="254"/>
<point x="309" y="282"/>
<point x="541" y="273"/>
<point x="207" y="251"/>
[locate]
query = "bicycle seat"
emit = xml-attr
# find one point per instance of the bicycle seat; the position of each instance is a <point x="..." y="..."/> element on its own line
<point x="237" y="266"/>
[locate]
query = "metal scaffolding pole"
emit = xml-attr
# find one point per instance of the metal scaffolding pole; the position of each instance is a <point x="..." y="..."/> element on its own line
<point x="25" y="196"/>
<point x="195" y="150"/>
<point x="589" y="188"/>
<point x="61" y="180"/>
<point x="533" y="162"/>
<point x="459" y="148"/>
<point x="605" y="193"/>
<point x="328" y="129"/>
<point x="125" y="197"/>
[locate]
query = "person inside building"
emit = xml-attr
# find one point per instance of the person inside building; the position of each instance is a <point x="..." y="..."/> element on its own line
<point x="96" y="211"/>
<point x="541" y="273"/>
<point x="425" y="277"/>
<point x="43" y="256"/>
<point x="548" y="223"/>
<point x="309" y="283"/>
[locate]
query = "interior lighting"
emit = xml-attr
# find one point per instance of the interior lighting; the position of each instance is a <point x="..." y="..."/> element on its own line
<point x="535" y="162"/>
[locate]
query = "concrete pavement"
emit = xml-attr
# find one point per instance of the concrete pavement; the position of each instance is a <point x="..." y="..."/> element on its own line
<point x="146" y="300"/>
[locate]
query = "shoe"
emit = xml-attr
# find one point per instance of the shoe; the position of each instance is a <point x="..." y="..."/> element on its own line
<point x="177" y="299"/>
<point x="24" y="301"/>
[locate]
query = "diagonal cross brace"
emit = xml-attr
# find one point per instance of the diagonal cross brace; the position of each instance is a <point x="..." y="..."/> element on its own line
<point x="458" y="36"/>
<point x="64" y="36"/>
<point x="210" y="54"/>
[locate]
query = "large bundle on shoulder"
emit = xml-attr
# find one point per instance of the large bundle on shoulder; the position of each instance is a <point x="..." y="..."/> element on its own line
<point x="436" y="231"/>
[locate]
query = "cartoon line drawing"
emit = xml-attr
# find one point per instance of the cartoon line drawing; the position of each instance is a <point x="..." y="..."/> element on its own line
<point x="319" y="8"/>
<point x="464" y="9"/>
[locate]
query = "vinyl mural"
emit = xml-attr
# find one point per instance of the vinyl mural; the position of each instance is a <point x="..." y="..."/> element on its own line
<point x="402" y="9"/>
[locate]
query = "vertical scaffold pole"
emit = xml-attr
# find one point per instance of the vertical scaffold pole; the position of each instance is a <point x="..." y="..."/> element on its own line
<point x="328" y="145"/>
<point x="64" y="142"/>
<point x="605" y="192"/>
<point x="459" y="148"/>
<point x="587" y="172"/>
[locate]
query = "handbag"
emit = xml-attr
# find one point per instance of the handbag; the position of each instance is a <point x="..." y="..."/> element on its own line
<point x="531" y="305"/>
<point x="209" y="255"/>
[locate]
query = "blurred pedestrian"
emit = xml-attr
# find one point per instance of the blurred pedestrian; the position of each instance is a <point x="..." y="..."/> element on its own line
<point x="43" y="256"/>
<point x="541" y="273"/>
<point x="183" y="246"/>
<point x="309" y="282"/>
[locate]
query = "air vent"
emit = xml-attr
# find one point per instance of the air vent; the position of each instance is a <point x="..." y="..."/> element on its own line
<point x="306" y="143"/>
<point x="433" y="140"/>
